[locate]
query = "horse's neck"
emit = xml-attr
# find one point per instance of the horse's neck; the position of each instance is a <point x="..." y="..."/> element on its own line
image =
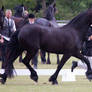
<point x="50" y="18"/>
<point x="18" y="15"/>
<point x="19" y="21"/>
<point x="53" y="22"/>
<point x="81" y="21"/>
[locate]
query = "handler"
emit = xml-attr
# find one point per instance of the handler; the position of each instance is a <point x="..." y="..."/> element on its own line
<point x="8" y="28"/>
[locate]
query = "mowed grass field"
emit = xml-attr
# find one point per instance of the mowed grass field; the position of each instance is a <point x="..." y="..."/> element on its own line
<point x="24" y="84"/>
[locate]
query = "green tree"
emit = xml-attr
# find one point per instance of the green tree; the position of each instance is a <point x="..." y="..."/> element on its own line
<point x="67" y="8"/>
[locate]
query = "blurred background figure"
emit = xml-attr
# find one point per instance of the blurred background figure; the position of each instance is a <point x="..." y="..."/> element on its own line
<point x="31" y="20"/>
<point x="8" y="29"/>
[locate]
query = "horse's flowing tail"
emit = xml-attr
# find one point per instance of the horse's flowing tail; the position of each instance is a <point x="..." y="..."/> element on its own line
<point x="12" y="52"/>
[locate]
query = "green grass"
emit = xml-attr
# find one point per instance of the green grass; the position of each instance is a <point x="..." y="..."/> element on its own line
<point x="24" y="84"/>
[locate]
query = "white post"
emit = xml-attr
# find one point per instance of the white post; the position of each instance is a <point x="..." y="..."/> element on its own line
<point x="68" y="76"/>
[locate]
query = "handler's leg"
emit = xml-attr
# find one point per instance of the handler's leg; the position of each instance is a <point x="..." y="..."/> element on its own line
<point x="78" y="64"/>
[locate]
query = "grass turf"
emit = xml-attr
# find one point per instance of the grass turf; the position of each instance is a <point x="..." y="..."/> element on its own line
<point x="24" y="84"/>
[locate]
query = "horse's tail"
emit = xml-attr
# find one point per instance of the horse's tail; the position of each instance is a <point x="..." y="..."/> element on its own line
<point x="12" y="52"/>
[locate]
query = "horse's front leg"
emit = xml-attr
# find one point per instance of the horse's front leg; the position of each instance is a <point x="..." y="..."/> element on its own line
<point x="53" y="78"/>
<point x="86" y="61"/>
<point x="26" y="61"/>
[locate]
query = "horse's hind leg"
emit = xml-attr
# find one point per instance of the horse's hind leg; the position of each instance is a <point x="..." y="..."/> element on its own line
<point x="84" y="59"/>
<point x="53" y="78"/>
<point x="26" y="61"/>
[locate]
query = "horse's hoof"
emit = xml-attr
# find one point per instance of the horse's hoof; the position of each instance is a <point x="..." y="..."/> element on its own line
<point x="89" y="75"/>
<point x="35" y="78"/>
<point x="54" y="82"/>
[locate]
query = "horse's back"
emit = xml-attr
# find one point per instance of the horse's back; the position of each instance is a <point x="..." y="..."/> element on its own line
<point x="42" y="21"/>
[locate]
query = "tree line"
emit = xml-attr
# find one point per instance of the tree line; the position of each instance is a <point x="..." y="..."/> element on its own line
<point x="67" y="9"/>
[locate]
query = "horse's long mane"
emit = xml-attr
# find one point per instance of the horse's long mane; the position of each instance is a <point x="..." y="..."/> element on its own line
<point x="77" y="18"/>
<point x="83" y="16"/>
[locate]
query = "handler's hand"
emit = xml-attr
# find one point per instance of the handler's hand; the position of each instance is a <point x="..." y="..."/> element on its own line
<point x="2" y="40"/>
<point x="90" y="37"/>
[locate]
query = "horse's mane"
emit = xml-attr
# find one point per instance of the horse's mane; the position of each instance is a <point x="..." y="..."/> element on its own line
<point x="81" y="17"/>
<point x="75" y="19"/>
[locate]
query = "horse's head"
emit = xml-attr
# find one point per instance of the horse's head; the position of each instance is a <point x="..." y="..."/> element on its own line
<point x="2" y="15"/>
<point x="50" y="11"/>
<point x="54" y="7"/>
<point x="19" y="10"/>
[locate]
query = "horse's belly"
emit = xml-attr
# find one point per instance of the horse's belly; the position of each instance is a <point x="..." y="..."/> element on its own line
<point x="57" y="47"/>
<point x="53" y="48"/>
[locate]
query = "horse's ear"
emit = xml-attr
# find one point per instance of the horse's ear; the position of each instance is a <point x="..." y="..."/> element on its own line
<point x="3" y="8"/>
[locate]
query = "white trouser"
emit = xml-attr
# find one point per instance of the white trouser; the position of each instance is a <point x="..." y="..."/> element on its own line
<point x="83" y="65"/>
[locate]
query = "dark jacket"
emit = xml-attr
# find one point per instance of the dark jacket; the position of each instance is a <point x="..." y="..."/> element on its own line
<point x="8" y="27"/>
<point x="87" y="46"/>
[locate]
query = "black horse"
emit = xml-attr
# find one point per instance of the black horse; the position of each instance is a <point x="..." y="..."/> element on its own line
<point x="19" y="17"/>
<point x="19" y="10"/>
<point x="49" y="20"/>
<point x="66" y="40"/>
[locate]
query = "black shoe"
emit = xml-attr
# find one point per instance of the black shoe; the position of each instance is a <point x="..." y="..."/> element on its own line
<point x="74" y="65"/>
